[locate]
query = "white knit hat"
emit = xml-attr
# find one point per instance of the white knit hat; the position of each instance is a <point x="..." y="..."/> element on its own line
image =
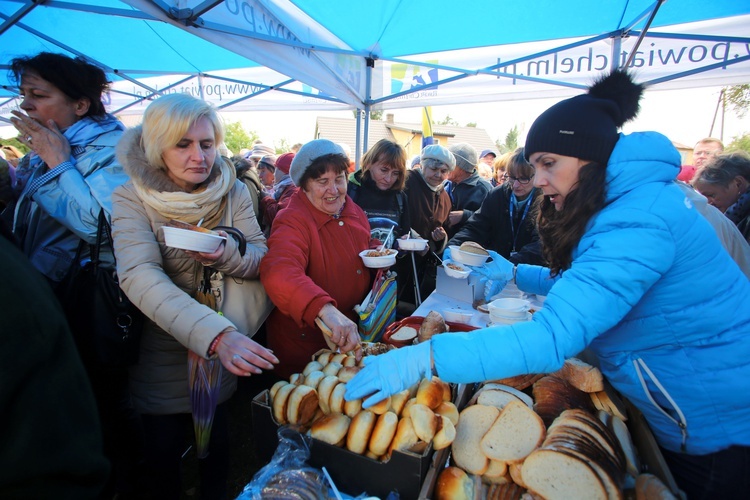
<point x="309" y="153"/>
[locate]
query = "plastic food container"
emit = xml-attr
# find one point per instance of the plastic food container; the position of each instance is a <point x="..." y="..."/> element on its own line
<point x="509" y="308"/>
<point x="458" y="315"/>
<point x="468" y="258"/>
<point x="456" y="270"/>
<point x="412" y="244"/>
<point x="502" y="320"/>
<point x="376" y="262"/>
<point x="196" y="241"/>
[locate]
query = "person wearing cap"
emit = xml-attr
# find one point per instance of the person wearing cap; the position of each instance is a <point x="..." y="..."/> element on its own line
<point x="506" y="221"/>
<point x="266" y="169"/>
<point x="635" y="274"/>
<point x="259" y="151"/>
<point x="467" y="189"/>
<point x="429" y="207"/>
<point x="487" y="156"/>
<point x="312" y="269"/>
<point x="283" y="189"/>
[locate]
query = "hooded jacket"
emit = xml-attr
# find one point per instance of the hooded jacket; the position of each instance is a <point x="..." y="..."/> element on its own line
<point x="162" y="281"/>
<point x="653" y="294"/>
<point x="468" y="196"/>
<point x="59" y="207"/>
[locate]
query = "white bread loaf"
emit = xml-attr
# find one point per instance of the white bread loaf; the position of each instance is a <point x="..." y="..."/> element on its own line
<point x="445" y="435"/>
<point x="405" y="334"/>
<point x="454" y="484"/>
<point x="508" y="491"/>
<point x="312" y="366"/>
<point x="382" y="434"/>
<point x="313" y="379"/>
<point x="497" y="468"/>
<point x="301" y="405"/>
<point x="522" y="396"/>
<point x="519" y="382"/>
<point x="351" y="408"/>
<point x="473" y="424"/>
<point x="360" y="430"/>
<point x="325" y="388"/>
<point x="280" y="402"/>
<point x="398" y="401"/>
<point x="581" y="375"/>
<point x="425" y="422"/>
<point x="405" y="436"/>
<point x="559" y="475"/>
<point x="517" y="431"/>
<point x="473" y="247"/>
<point x="432" y="324"/>
<point x="449" y="410"/>
<point x="514" y="469"/>
<point x="620" y="430"/>
<point x="497" y="398"/>
<point x="553" y="395"/>
<point x="336" y="401"/>
<point x="331" y="429"/>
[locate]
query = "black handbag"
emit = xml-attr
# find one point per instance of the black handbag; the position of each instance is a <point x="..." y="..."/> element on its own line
<point x="105" y="324"/>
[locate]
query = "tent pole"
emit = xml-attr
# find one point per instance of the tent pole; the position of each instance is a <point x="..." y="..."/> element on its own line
<point x="616" y="48"/>
<point x="368" y="100"/>
<point x="643" y="33"/>
<point x="200" y="86"/>
<point x="358" y="139"/>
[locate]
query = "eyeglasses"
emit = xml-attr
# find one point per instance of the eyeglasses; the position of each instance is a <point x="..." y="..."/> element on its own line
<point x="521" y="180"/>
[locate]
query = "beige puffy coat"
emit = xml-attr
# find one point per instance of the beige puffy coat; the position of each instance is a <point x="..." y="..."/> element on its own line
<point x="162" y="282"/>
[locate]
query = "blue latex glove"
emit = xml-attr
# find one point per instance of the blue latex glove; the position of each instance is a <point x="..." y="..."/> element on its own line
<point x="389" y="373"/>
<point x="494" y="275"/>
<point x="447" y="254"/>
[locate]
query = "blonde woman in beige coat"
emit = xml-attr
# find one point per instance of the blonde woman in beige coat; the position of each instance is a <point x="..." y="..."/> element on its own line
<point x="176" y="173"/>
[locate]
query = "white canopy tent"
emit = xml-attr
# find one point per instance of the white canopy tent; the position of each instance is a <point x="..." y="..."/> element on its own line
<point x="355" y="54"/>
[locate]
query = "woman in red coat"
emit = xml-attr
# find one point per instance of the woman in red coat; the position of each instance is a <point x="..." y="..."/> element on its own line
<point x="312" y="268"/>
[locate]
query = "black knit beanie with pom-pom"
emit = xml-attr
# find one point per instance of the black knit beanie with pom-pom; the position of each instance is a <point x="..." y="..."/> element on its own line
<point x="586" y="126"/>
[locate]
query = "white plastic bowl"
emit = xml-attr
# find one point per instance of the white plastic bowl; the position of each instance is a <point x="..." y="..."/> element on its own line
<point x="458" y="315"/>
<point x="196" y="241"/>
<point x="461" y="273"/>
<point x="412" y="244"/>
<point x="378" y="262"/>
<point x="502" y="320"/>
<point x="468" y="258"/>
<point x="509" y="308"/>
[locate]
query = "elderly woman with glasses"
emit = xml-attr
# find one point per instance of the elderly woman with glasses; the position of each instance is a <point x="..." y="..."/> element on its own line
<point x="505" y="222"/>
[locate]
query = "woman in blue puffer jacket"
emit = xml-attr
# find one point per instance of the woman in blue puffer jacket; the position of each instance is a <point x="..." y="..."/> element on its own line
<point x="636" y="274"/>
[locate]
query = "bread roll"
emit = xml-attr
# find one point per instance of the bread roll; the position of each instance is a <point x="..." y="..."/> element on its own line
<point x="516" y="432"/>
<point x="332" y="368"/>
<point x="446" y="434"/>
<point x="425" y="422"/>
<point x="325" y="388"/>
<point x="313" y="378"/>
<point x="336" y="401"/>
<point x="275" y="387"/>
<point x="454" y="484"/>
<point x="280" y="403"/>
<point x="346" y="373"/>
<point x="432" y="324"/>
<point x="296" y="379"/>
<point x="405" y="436"/>
<point x="338" y="358"/>
<point x="398" y="401"/>
<point x="325" y="357"/>
<point x="472" y="247"/>
<point x="449" y="410"/>
<point x="473" y="424"/>
<point x="382" y="434"/>
<point x="381" y="406"/>
<point x="373" y="456"/>
<point x="430" y="392"/>
<point x="407" y="407"/>
<point x="351" y="408"/>
<point x="360" y="430"/>
<point x="312" y="366"/>
<point x="497" y="468"/>
<point x="349" y="361"/>
<point x="301" y="406"/>
<point x="331" y="429"/>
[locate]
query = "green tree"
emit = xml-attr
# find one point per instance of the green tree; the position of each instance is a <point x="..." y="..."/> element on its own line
<point x="374" y="115"/>
<point x="238" y="138"/>
<point x="738" y="98"/>
<point x="740" y="143"/>
<point x="511" y="141"/>
<point x="472" y="124"/>
<point x="16" y="143"/>
<point x="283" y="147"/>
<point x="447" y="121"/>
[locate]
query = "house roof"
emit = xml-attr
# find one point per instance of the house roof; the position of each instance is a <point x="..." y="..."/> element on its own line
<point x="344" y="130"/>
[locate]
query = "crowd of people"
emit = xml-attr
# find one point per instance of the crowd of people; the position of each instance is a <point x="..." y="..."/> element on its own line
<point x="642" y="260"/>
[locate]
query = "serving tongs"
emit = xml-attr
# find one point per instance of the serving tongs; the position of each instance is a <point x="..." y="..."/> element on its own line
<point x="329" y="333"/>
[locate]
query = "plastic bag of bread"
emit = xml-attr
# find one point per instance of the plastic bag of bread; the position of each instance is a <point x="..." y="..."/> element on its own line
<point x="287" y="475"/>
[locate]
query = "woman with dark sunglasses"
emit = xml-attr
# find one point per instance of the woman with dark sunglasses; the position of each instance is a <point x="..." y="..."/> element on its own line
<point x="505" y="221"/>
